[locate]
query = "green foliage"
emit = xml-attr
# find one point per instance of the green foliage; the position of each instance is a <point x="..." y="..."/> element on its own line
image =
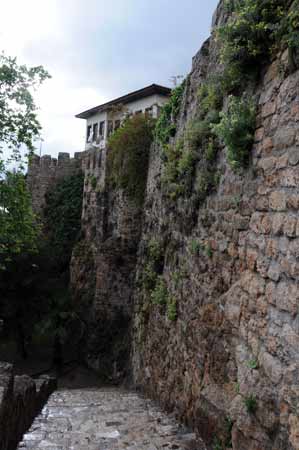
<point x="153" y="265"/>
<point x="236" y="130"/>
<point x="217" y="444"/>
<point x="19" y="231"/>
<point x="252" y="364"/>
<point x="18" y="120"/>
<point x="154" y="250"/>
<point x="229" y="426"/>
<point x="18" y="126"/>
<point x="255" y="31"/>
<point x="290" y="27"/>
<point x="62" y="217"/>
<point x="210" y="95"/>
<point x="206" y="182"/>
<point x="165" y="126"/>
<point x="195" y="247"/>
<point x="209" y="251"/>
<point x="199" y="143"/>
<point x="93" y="182"/>
<point x="178" y="169"/>
<point x="128" y="154"/>
<point x="172" y="313"/>
<point x="250" y="403"/>
<point x="159" y="295"/>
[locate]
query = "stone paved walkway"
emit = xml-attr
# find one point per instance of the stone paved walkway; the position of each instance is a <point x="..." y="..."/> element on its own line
<point x="105" y="419"/>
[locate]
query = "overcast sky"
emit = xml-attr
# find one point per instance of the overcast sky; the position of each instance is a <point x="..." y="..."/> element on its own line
<point x="97" y="50"/>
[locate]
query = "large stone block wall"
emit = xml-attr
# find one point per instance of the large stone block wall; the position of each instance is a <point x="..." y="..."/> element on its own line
<point x="236" y="337"/>
<point x="21" y="399"/>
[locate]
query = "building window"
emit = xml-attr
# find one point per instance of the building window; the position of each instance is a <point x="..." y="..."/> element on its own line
<point x="94" y="132"/>
<point x="110" y="127"/>
<point x="88" y="133"/>
<point x="116" y="124"/>
<point x="102" y="129"/>
<point x="149" y="111"/>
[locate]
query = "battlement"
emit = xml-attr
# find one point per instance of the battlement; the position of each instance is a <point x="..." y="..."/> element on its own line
<point x="46" y="171"/>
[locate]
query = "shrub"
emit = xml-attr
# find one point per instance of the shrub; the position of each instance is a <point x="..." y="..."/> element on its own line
<point x="250" y="403"/>
<point x="172" y="308"/>
<point x="255" y="31"/>
<point x="236" y="130"/>
<point x="159" y="295"/>
<point x="128" y="155"/>
<point x="210" y="95"/>
<point x="252" y="364"/>
<point x="165" y="126"/>
<point x="209" y="251"/>
<point x="178" y="169"/>
<point x="153" y="265"/>
<point x="93" y="182"/>
<point x="195" y="247"/>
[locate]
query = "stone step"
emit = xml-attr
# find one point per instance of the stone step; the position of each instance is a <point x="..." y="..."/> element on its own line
<point x="105" y="419"/>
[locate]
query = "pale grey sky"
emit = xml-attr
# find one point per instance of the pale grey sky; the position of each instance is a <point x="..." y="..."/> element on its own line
<point x="97" y="50"/>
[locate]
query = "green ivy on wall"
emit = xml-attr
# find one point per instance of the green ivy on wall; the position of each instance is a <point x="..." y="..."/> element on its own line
<point x="62" y="216"/>
<point x="128" y="155"/>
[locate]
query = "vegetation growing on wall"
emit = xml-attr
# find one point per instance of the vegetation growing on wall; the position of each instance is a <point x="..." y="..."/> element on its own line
<point x="197" y="144"/>
<point x="236" y="130"/>
<point x="128" y="155"/>
<point x="166" y="124"/>
<point x="154" y="265"/>
<point x="62" y="217"/>
<point x="255" y="32"/>
<point x="153" y="282"/>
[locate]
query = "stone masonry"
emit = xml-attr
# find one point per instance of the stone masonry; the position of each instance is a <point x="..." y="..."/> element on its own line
<point x="45" y="171"/>
<point x="106" y="419"/>
<point x="228" y="366"/>
<point x="21" y="399"/>
<point x="236" y="337"/>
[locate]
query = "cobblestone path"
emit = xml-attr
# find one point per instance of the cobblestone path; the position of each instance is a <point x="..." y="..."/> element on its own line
<point x="105" y="419"/>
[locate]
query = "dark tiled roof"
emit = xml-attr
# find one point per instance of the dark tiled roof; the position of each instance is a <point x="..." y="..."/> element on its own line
<point x="136" y="95"/>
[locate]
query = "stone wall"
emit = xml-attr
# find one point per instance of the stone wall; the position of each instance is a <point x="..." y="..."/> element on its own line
<point x="236" y="338"/>
<point x="21" y="399"/>
<point x="45" y="171"/>
<point x="103" y="269"/>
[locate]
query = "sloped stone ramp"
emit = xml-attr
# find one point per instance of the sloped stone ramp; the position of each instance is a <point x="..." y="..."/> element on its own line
<point x="105" y="419"/>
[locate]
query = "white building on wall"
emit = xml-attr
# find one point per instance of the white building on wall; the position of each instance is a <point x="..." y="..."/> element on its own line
<point x="102" y="120"/>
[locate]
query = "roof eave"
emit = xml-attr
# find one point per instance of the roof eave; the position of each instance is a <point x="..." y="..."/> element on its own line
<point x="141" y="93"/>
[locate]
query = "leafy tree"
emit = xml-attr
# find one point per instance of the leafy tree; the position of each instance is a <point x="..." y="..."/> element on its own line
<point x="18" y="227"/>
<point x="18" y="120"/>
<point x="19" y="127"/>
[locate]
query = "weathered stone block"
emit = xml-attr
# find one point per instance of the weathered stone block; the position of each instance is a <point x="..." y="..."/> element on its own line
<point x="290" y="225"/>
<point x="271" y="366"/>
<point x="278" y="223"/>
<point x="274" y="271"/>
<point x="294" y="155"/>
<point x="278" y="200"/>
